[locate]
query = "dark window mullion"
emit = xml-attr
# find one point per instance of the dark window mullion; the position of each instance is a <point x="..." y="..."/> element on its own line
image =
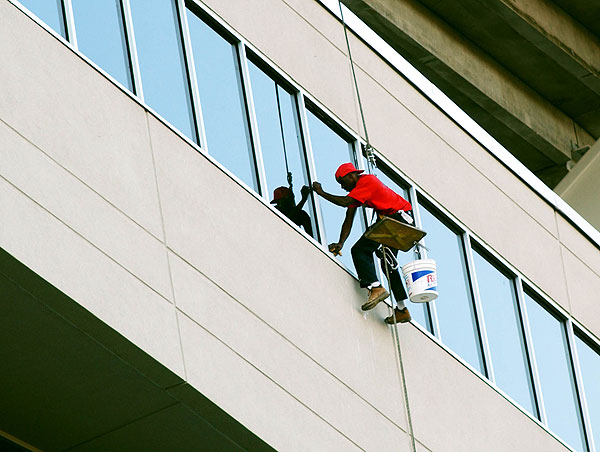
<point x="190" y="71"/>
<point x="259" y="166"/>
<point x="535" y="376"/>
<point x="579" y="389"/>
<point x="477" y="305"/>
<point x="136" y="76"/>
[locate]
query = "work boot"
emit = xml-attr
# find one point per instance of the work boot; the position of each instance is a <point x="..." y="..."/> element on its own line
<point x="400" y="316"/>
<point x="376" y="294"/>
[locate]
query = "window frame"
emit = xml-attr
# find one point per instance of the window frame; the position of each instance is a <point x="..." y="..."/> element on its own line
<point x="309" y="105"/>
<point x="462" y="232"/>
<point x="523" y="322"/>
<point x="251" y="56"/>
<point x="566" y="325"/>
<point x="594" y="344"/>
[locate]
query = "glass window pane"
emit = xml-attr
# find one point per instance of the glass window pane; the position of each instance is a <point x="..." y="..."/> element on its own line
<point x="221" y="96"/>
<point x="454" y="306"/>
<point x="101" y="36"/>
<point x="330" y="150"/>
<point x="589" y="362"/>
<point x="281" y="143"/>
<point x="504" y="332"/>
<point x="418" y="311"/>
<point x="160" y="56"/>
<point x="556" y="376"/>
<point x="50" y="11"/>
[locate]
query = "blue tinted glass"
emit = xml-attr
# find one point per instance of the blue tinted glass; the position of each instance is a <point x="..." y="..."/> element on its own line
<point x="100" y="35"/>
<point x="556" y="377"/>
<point x="279" y="133"/>
<point x="454" y="307"/>
<point x="160" y="56"/>
<point x="221" y="96"/>
<point x="330" y="151"/>
<point x="418" y="311"/>
<point x="50" y="11"/>
<point x="504" y="333"/>
<point x="589" y="362"/>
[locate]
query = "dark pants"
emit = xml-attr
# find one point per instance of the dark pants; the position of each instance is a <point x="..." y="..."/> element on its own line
<point x="362" y="256"/>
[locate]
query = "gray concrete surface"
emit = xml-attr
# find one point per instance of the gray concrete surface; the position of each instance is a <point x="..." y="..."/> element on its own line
<point x="230" y="332"/>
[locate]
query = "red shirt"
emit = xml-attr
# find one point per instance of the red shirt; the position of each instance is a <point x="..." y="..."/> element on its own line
<point x="371" y="192"/>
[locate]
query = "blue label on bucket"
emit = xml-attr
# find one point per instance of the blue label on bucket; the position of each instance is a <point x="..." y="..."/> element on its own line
<point x="428" y="276"/>
<point x="420" y="274"/>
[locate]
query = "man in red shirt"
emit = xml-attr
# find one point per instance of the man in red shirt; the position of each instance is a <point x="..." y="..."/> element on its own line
<point x="368" y="190"/>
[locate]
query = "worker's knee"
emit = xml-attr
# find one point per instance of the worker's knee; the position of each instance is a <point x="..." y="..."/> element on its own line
<point x="359" y="249"/>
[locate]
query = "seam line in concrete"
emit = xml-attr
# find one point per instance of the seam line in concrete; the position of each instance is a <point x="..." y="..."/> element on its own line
<point x="85" y="239"/>
<point x="152" y="413"/>
<point x="162" y="223"/>
<point x="562" y="265"/>
<point x="276" y="383"/>
<point x="283" y="337"/>
<point x="85" y="184"/>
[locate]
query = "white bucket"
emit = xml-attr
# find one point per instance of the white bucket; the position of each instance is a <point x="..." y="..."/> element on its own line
<point x="421" y="280"/>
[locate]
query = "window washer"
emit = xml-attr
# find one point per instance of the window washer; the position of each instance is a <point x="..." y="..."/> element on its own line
<point x="284" y="201"/>
<point x="368" y="190"/>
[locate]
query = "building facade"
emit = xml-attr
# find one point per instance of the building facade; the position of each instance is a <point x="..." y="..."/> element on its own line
<point x="154" y="299"/>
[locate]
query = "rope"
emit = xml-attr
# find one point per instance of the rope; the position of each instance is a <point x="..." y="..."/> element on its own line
<point x="368" y="151"/>
<point x="399" y="350"/>
<point x="287" y="169"/>
<point x="367" y="148"/>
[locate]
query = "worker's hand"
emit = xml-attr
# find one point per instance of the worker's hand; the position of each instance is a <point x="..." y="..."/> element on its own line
<point x="304" y="191"/>
<point x="317" y="187"/>
<point x="336" y="248"/>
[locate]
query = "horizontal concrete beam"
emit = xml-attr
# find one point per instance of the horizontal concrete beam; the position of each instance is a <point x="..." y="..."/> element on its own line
<point x="529" y="126"/>
<point x="556" y="34"/>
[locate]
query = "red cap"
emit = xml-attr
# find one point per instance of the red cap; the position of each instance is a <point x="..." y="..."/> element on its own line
<point x="346" y="168"/>
<point x="280" y="192"/>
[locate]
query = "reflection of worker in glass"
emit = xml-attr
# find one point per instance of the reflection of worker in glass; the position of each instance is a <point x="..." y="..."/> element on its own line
<point x="284" y="201"/>
<point x="367" y="190"/>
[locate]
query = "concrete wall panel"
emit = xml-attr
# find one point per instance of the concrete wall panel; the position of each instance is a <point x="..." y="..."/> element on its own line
<point x="76" y="116"/>
<point x="453" y="410"/>
<point x="578" y="244"/>
<point x="69" y="262"/>
<point x="281" y="361"/>
<point x="584" y="286"/>
<point x="244" y="392"/>
<point x="83" y="210"/>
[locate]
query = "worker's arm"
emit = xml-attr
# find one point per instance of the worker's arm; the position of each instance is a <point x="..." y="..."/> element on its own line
<point x="305" y="191"/>
<point x="342" y="201"/>
<point x="335" y="248"/>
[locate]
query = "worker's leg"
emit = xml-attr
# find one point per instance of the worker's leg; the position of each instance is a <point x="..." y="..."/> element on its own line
<point x="362" y="256"/>
<point x="394" y="280"/>
<point x="401" y="313"/>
